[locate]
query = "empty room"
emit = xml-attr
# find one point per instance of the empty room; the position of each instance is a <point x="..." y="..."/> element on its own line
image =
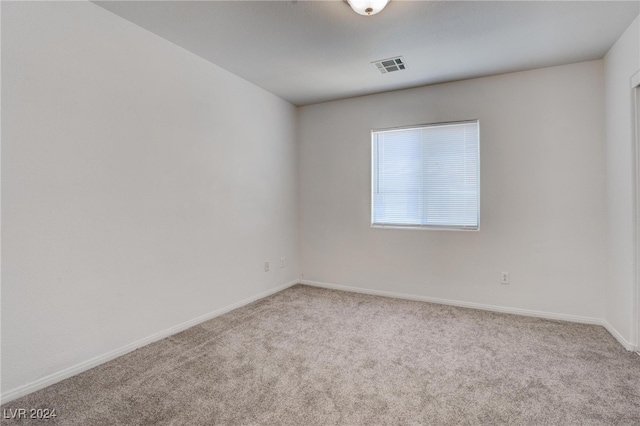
<point x="358" y="212"/>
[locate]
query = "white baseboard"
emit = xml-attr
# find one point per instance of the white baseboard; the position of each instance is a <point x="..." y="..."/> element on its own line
<point x="517" y="311"/>
<point x="101" y="359"/>
<point x="93" y="362"/>
<point x="624" y="342"/>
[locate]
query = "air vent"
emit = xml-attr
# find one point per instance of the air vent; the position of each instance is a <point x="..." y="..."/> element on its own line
<point x="390" y="65"/>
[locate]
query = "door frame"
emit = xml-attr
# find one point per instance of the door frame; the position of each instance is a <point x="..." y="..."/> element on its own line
<point x="635" y="88"/>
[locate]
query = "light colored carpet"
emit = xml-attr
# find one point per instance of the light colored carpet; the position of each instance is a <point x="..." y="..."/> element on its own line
<point x="309" y="356"/>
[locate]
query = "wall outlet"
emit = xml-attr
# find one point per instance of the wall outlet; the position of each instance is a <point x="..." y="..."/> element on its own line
<point x="266" y="266"/>
<point x="504" y="278"/>
<point x="283" y="263"/>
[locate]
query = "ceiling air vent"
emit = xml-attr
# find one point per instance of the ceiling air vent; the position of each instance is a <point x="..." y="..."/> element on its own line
<point x="390" y="65"/>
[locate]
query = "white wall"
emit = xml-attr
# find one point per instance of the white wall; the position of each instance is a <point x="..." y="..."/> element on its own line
<point x="620" y="63"/>
<point x="142" y="187"/>
<point x="542" y="194"/>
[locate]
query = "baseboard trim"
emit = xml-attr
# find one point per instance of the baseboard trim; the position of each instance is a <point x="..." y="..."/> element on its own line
<point x="101" y="359"/>
<point x="624" y="342"/>
<point x="493" y="308"/>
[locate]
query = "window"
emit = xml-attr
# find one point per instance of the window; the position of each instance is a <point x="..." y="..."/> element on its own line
<point x="426" y="176"/>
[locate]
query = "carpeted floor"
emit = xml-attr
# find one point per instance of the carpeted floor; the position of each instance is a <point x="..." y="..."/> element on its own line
<point x="309" y="356"/>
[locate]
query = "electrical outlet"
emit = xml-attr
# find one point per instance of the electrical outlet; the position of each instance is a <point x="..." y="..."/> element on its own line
<point x="266" y="266"/>
<point x="283" y="264"/>
<point x="504" y="278"/>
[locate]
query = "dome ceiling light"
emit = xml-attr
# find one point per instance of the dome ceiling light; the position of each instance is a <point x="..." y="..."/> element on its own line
<point x="367" y="7"/>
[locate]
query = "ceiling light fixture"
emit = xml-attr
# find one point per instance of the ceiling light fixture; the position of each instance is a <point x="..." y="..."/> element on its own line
<point x="367" y="7"/>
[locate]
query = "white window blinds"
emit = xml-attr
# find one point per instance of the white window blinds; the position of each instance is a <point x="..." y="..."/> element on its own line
<point x="427" y="176"/>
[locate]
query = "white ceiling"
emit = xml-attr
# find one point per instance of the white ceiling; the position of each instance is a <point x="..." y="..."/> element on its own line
<point x="314" y="51"/>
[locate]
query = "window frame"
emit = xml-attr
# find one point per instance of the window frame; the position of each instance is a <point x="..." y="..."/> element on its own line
<point x="415" y="226"/>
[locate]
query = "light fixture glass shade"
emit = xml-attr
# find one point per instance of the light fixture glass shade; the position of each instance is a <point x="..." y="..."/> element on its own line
<point x="367" y="7"/>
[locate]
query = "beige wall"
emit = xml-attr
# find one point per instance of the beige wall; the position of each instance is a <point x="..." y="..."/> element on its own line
<point x="142" y="187"/>
<point x="620" y="64"/>
<point x="542" y="194"/>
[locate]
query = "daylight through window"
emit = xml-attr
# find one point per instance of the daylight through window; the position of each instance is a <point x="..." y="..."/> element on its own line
<point x="427" y="176"/>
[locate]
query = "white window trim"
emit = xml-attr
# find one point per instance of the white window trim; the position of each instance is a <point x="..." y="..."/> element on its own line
<point x="424" y="227"/>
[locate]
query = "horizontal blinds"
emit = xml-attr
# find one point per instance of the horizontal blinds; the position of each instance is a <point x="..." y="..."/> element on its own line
<point x="426" y="176"/>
